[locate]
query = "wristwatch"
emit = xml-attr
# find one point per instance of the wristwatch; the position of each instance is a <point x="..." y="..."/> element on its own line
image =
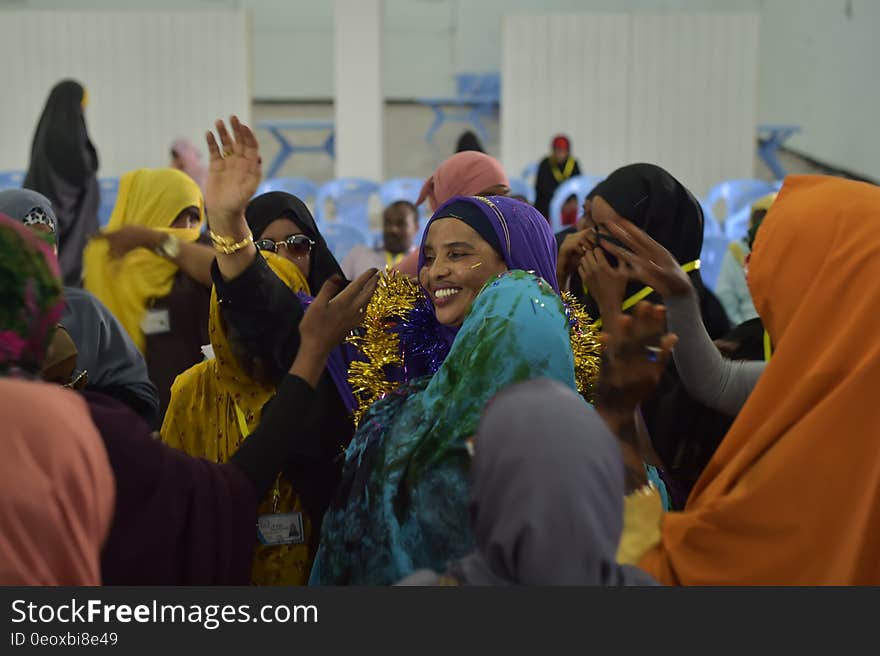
<point x="169" y="248"/>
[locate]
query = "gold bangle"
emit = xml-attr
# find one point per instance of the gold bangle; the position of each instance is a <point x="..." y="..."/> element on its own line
<point x="227" y="245"/>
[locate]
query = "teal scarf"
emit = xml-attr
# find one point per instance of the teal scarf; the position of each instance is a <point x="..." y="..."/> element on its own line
<point x="402" y="503"/>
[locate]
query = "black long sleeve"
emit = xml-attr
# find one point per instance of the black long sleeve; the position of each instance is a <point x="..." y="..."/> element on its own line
<point x="288" y="428"/>
<point x="262" y="318"/>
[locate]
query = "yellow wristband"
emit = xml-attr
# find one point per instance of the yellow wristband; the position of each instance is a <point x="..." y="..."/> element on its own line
<point x="227" y="245"/>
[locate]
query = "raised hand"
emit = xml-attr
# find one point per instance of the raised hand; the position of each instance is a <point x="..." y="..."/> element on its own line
<point x="331" y="316"/>
<point x="233" y="176"/>
<point x="647" y="261"/>
<point x="328" y="320"/>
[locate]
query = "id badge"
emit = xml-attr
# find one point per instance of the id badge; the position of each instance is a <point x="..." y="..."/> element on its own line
<point x="156" y="322"/>
<point x="280" y="528"/>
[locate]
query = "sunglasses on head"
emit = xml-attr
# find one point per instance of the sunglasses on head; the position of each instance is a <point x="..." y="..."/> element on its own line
<point x="296" y="244"/>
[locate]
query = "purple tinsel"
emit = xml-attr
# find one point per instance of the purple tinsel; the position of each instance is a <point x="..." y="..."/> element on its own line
<point x="422" y="341"/>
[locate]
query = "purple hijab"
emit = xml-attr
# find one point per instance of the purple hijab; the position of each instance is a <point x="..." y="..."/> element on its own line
<point x="531" y="246"/>
<point x="527" y="242"/>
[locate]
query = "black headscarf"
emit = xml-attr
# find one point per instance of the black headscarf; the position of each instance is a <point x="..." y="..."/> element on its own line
<point x="661" y="206"/>
<point x="62" y="137"/>
<point x="64" y="168"/>
<point x="266" y="208"/>
<point x="656" y="202"/>
<point x="471" y="215"/>
<point x="469" y="141"/>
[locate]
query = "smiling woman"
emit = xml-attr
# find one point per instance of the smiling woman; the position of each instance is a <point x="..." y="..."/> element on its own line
<point x="458" y="262"/>
<point x="487" y="271"/>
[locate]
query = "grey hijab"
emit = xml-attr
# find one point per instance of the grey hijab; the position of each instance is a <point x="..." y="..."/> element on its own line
<point x="547" y="495"/>
<point x="105" y="351"/>
<point x="29" y="207"/>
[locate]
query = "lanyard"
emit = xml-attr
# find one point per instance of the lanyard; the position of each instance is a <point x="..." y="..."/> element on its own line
<point x="245" y="431"/>
<point x="644" y="292"/>
<point x="565" y="174"/>
<point x="391" y="260"/>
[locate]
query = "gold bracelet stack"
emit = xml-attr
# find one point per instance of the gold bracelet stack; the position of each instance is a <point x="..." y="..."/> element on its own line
<point x="227" y="245"/>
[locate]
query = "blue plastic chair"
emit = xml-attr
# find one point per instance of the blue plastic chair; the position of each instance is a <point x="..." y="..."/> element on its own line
<point x="351" y="199"/>
<point x="736" y="194"/>
<point x="530" y="172"/>
<point x="580" y="186"/>
<point x="710" y="223"/>
<point x="405" y="189"/>
<point x="714" y="248"/>
<point x="519" y="187"/>
<point x="400" y="189"/>
<point x="737" y="226"/>
<point x="487" y="85"/>
<point x="11" y="179"/>
<point x="341" y="238"/>
<point x="109" y="190"/>
<point x="302" y="188"/>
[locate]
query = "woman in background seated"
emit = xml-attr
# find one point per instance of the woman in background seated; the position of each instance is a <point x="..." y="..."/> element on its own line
<point x="554" y="169"/>
<point x="468" y="173"/>
<point x="469" y="141"/>
<point x="106" y="356"/>
<point x="148" y="271"/>
<point x="64" y="168"/>
<point x="56" y="486"/>
<point x="186" y="157"/>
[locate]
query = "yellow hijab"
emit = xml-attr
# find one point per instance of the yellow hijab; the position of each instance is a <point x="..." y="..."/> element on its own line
<point x="151" y="198"/>
<point x="214" y="406"/>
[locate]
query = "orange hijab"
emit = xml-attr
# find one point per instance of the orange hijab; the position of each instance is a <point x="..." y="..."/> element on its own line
<point x="792" y="496"/>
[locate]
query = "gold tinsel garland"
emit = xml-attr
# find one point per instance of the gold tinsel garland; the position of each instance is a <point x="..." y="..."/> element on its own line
<point x="585" y="345"/>
<point x="396" y="295"/>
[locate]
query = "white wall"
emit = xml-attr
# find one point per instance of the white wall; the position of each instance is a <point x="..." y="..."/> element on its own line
<point x="671" y="89"/>
<point x="148" y="77"/>
<point x="818" y="64"/>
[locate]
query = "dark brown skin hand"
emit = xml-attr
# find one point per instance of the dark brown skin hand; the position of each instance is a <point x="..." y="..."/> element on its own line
<point x="637" y="348"/>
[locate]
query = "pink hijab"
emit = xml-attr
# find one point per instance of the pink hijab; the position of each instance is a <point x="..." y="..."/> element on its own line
<point x="191" y="159"/>
<point x="464" y="174"/>
<point x="56" y="487"/>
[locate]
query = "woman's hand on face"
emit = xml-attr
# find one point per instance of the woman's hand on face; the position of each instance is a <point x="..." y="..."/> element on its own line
<point x="636" y="350"/>
<point x="233" y="176"/>
<point x="331" y="316"/>
<point x="128" y="238"/>
<point x="606" y="283"/>
<point x="572" y="249"/>
<point x="647" y="261"/>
